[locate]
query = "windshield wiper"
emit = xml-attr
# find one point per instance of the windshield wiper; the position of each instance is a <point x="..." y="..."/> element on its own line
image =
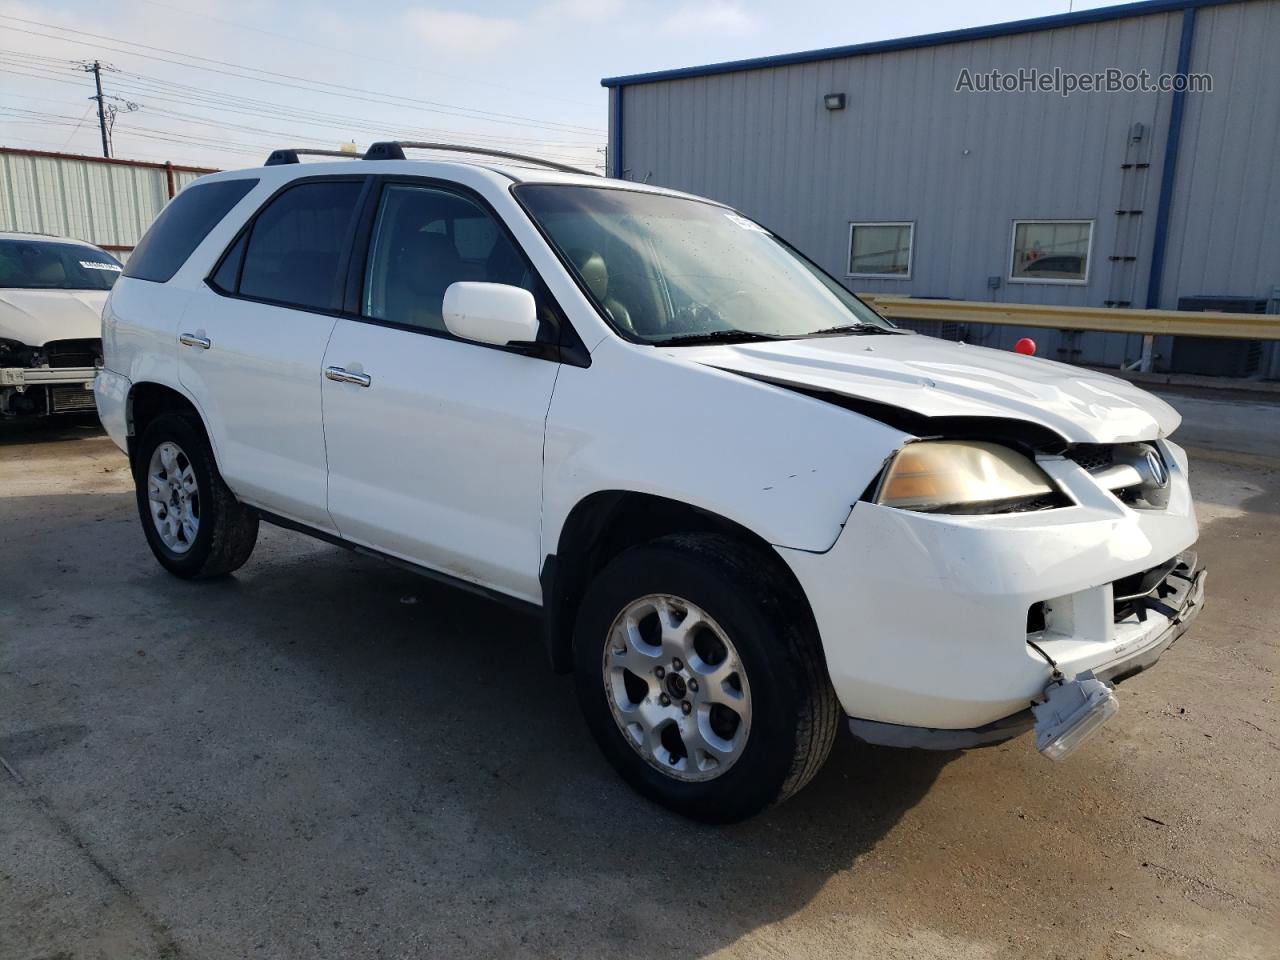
<point x="718" y="336"/>
<point x="859" y="327"/>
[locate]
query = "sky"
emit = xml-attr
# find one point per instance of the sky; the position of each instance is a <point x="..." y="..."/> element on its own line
<point x="221" y="83"/>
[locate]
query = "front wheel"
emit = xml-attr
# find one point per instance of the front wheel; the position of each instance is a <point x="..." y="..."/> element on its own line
<point x="701" y="676"/>
<point x="193" y="523"/>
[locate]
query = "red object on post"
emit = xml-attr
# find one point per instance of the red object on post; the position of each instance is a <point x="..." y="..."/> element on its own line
<point x="1026" y="346"/>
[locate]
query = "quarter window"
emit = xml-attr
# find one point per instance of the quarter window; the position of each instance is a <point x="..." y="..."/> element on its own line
<point x="881" y="249"/>
<point x="1051" y="251"/>
<point x="181" y="226"/>
<point x="425" y="239"/>
<point x="294" y="252"/>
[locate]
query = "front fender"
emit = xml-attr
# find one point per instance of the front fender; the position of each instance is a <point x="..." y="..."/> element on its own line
<point x="785" y="466"/>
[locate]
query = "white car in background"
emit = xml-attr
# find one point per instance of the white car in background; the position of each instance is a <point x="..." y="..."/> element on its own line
<point x="747" y="509"/>
<point x="51" y="294"/>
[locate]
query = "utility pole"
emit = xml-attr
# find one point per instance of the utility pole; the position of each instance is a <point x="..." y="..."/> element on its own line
<point x="96" y="69"/>
<point x="106" y="112"/>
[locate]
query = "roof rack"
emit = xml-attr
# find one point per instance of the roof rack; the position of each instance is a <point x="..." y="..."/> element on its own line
<point x="291" y="155"/>
<point x="394" y="150"/>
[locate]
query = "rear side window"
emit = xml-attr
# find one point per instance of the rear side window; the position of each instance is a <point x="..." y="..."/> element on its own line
<point x="181" y="226"/>
<point x="293" y="255"/>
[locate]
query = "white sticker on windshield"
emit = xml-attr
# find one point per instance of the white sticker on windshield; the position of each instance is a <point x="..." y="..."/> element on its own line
<point x="99" y="265"/>
<point x="746" y="224"/>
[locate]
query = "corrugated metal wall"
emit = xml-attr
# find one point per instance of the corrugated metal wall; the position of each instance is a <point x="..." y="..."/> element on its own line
<point x="963" y="166"/>
<point x="110" y="204"/>
<point x="1224" y="235"/>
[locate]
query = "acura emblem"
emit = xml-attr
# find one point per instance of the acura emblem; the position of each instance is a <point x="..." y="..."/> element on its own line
<point x="1158" y="472"/>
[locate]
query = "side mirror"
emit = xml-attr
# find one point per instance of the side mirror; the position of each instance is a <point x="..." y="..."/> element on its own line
<point x="496" y="313"/>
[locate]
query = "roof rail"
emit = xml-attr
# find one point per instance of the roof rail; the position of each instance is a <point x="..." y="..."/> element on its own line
<point x="292" y="154"/>
<point x="394" y="150"/>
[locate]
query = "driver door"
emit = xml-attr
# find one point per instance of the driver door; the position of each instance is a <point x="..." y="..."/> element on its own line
<point x="434" y="442"/>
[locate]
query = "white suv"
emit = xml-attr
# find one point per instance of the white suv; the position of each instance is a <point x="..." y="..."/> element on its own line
<point x="746" y="508"/>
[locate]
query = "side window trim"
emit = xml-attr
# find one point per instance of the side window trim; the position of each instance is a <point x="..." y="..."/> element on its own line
<point x="569" y="349"/>
<point x="344" y="255"/>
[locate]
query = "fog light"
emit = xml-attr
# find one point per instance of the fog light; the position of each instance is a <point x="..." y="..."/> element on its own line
<point x="1072" y="712"/>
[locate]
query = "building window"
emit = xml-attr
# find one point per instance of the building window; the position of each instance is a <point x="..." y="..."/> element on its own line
<point x="1051" y="251"/>
<point x="881" y="250"/>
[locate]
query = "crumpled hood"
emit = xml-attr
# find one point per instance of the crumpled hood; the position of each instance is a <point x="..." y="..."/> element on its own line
<point x="35" y="317"/>
<point x="937" y="378"/>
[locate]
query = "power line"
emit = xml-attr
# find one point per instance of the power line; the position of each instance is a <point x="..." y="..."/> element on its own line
<point x="142" y="87"/>
<point x="308" y="85"/>
<point x="183" y="93"/>
<point x="147" y="88"/>
<point x="186" y="94"/>
<point x="187" y="137"/>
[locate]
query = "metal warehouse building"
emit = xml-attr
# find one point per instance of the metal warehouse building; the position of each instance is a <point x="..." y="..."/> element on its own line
<point x="104" y="201"/>
<point x="871" y="160"/>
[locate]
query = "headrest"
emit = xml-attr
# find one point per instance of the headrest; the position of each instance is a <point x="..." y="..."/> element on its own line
<point x="593" y="270"/>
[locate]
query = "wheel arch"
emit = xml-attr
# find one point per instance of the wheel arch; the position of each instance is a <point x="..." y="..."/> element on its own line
<point x="149" y="399"/>
<point x="603" y="524"/>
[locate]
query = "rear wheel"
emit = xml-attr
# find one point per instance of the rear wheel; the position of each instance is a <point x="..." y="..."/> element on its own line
<point x="702" y="678"/>
<point x="193" y="523"/>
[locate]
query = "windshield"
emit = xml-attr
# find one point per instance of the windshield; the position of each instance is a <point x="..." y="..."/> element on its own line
<point x="669" y="270"/>
<point x="41" y="265"/>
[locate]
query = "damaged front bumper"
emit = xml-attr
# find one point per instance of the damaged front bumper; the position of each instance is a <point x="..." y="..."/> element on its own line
<point x="41" y="391"/>
<point x="1172" y="606"/>
<point x="46" y="376"/>
<point x="925" y="618"/>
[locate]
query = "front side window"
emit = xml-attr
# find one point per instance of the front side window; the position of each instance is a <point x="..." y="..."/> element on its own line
<point x="672" y="270"/>
<point x="880" y="250"/>
<point x="426" y="238"/>
<point x="41" y="265"/>
<point x="181" y="226"/>
<point x="1051" y="251"/>
<point x="293" y="255"/>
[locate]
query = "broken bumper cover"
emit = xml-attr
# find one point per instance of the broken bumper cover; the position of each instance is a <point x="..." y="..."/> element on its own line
<point x="1188" y="582"/>
<point x="925" y="618"/>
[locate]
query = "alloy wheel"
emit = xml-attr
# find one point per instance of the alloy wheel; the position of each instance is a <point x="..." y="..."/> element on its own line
<point x="174" y="497"/>
<point x="677" y="687"/>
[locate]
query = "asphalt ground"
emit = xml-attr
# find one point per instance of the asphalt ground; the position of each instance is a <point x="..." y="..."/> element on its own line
<point x="326" y="756"/>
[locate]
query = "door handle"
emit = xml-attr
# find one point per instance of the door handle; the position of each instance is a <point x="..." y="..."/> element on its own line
<point x="191" y="340"/>
<point x="340" y="375"/>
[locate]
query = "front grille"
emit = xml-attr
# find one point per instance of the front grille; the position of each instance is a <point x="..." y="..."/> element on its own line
<point x="1093" y="456"/>
<point x="74" y="353"/>
<point x="71" y="399"/>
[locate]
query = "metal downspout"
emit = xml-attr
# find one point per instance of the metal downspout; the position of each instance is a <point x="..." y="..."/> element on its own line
<point x="1176" y="110"/>
<point x="615" y="145"/>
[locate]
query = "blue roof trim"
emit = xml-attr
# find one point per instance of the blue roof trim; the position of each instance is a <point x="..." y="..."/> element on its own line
<point x="1099" y="15"/>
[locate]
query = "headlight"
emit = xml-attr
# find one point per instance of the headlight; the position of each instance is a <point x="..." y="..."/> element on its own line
<point x="960" y="476"/>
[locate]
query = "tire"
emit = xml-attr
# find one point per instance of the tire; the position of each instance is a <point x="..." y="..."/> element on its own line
<point x="751" y="622"/>
<point x="225" y="530"/>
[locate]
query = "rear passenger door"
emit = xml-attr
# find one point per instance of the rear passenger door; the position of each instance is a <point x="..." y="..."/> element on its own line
<point x="435" y="443"/>
<point x="254" y="337"/>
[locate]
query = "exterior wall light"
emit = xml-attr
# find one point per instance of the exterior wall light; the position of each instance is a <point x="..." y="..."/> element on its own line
<point x="833" y="101"/>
